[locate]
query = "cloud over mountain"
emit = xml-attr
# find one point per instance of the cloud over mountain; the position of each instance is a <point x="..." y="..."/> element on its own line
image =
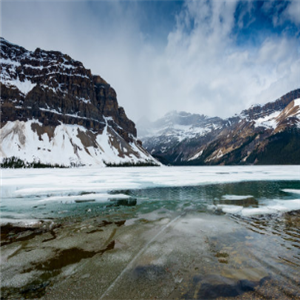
<point x="211" y="57"/>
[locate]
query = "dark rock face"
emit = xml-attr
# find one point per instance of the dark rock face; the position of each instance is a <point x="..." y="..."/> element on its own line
<point x="52" y="87"/>
<point x="266" y="134"/>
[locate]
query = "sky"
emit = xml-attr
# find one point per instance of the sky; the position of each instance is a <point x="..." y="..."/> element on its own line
<point x="208" y="57"/>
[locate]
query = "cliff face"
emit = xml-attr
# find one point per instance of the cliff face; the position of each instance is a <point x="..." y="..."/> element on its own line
<point x="54" y="90"/>
<point x="268" y="134"/>
<point x="52" y="87"/>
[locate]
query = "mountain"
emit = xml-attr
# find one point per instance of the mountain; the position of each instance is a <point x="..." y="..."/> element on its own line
<point x="262" y="134"/>
<point x="54" y="111"/>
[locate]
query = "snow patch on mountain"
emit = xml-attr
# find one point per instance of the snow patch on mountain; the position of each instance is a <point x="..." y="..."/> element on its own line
<point x="297" y="102"/>
<point x="67" y="145"/>
<point x="5" y="61"/>
<point x="198" y="154"/>
<point x="268" y="121"/>
<point x="273" y="119"/>
<point x="23" y="86"/>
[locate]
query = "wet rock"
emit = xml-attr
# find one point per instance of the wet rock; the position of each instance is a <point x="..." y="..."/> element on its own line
<point x="214" y="286"/>
<point x="149" y="272"/>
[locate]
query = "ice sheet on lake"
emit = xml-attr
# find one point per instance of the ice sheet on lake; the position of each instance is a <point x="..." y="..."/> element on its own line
<point x="292" y="191"/>
<point x="272" y="207"/>
<point x="96" y="197"/>
<point x="236" y="197"/>
<point x="26" y="187"/>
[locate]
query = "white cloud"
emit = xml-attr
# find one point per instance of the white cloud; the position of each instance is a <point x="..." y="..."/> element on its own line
<point x="209" y="74"/>
<point x="199" y="68"/>
<point x="293" y="12"/>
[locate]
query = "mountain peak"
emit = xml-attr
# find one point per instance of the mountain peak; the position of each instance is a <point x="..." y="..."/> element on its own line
<point x="49" y="92"/>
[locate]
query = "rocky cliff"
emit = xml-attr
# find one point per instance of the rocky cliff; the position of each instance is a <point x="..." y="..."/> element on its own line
<point x="262" y="134"/>
<point x="54" y="110"/>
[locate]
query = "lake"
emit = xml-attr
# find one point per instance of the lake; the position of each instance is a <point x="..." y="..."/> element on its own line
<point x="147" y="233"/>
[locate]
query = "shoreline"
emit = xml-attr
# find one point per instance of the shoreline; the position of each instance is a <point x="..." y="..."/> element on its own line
<point x="165" y="257"/>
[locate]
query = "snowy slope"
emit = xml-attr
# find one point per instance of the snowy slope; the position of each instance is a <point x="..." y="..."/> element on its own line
<point x="67" y="145"/>
<point x="272" y="120"/>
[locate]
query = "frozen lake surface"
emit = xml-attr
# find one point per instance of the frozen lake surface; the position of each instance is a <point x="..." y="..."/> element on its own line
<point x="169" y="232"/>
<point x="32" y="194"/>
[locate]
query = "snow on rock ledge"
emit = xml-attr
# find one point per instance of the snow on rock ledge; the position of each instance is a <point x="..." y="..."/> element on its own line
<point x="67" y="145"/>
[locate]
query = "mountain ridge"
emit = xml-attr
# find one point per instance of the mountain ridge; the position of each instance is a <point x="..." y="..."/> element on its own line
<point x="213" y="141"/>
<point x="46" y="94"/>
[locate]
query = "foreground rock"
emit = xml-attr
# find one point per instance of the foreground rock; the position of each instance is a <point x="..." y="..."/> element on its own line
<point x="143" y="259"/>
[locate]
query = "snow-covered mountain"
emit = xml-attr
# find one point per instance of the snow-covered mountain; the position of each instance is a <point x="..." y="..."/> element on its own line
<point x="54" y="111"/>
<point x="268" y="134"/>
